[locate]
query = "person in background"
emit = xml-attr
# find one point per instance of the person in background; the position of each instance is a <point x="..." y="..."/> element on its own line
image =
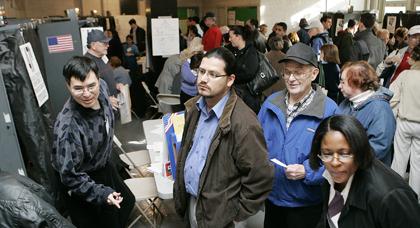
<point x="139" y="35"/>
<point x="293" y="37"/>
<point x="122" y="77"/>
<point x="195" y="21"/>
<point x="329" y="63"/>
<point x="397" y="61"/>
<point x="115" y="45"/>
<point x="280" y="29"/>
<point x="192" y="34"/>
<point x="406" y="107"/>
<point x="377" y="49"/>
<point x="130" y="54"/>
<point x="289" y="119"/>
<point x="369" y="103"/>
<point x="264" y="30"/>
<point x="401" y="38"/>
<point x="326" y="21"/>
<point x="318" y="36"/>
<point x="345" y="42"/>
<point x="359" y="191"/>
<point x="223" y="175"/>
<point x="246" y="59"/>
<point x="97" y="44"/>
<point x="95" y="194"/>
<point x="189" y="78"/>
<point x="383" y="34"/>
<point x="303" y="32"/>
<point x="213" y="36"/>
<point x="258" y="38"/>
<point x="274" y="56"/>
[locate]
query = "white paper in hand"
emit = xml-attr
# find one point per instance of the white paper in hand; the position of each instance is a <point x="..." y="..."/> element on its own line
<point x="277" y="162"/>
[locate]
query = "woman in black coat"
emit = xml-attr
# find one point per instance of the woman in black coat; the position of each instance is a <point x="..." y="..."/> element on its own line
<point x="246" y="64"/>
<point x="360" y="191"/>
<point x="329" y="62"/>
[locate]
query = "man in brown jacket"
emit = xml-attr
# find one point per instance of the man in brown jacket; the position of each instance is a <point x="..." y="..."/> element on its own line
<point x="223" y="175"/>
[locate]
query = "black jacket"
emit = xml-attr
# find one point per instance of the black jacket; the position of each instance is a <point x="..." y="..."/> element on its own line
<point x="246" y="70"/>
<point x="140" y="38"/>
<point x="24" y="203"/>
<point x="378" y="198"/>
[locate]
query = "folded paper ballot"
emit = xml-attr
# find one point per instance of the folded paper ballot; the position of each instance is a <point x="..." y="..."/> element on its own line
<point x="277" y="162"/>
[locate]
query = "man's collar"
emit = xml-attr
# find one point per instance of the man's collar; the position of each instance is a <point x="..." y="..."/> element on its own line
<point x="217" y="109"/>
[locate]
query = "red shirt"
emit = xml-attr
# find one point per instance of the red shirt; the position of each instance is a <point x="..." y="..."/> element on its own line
<point x="212" y="38"/>
<point x="404" y="65"/>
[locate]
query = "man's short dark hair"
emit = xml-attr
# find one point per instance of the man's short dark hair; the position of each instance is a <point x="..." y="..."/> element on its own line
<point x="351" y="23"/>
<point x="226" y="56"/>
<point x="132" y="21"/>
<point x="355" y="135"/>
<point x="368" y="19"/>
<point x="325" y="17"/>
<point x="79" y="67"/>
<point x="195" y="19"/>
<point x="254" y="22"/>
<point x="243" y="31"/>
<point x="283" y="25"/>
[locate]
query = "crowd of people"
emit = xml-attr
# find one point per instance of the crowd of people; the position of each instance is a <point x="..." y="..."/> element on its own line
<point x="327" y="145"/>
<point x="342" y="120"/>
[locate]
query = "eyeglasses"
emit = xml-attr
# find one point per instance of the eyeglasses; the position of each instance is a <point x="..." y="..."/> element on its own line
<point x="340" y="157"/>
<point x="297" y="75"/>
<point x="79" y="90"/>
<point x="211" y="74"/>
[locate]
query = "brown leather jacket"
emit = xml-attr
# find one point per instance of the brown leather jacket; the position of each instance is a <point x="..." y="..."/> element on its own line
<point x="237" y="176"/>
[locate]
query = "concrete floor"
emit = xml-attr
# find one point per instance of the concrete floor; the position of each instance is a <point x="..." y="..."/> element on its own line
<point x="132" y="138"/>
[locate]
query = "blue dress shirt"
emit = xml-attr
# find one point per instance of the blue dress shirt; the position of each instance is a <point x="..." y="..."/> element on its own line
<point x="206" y="127"/>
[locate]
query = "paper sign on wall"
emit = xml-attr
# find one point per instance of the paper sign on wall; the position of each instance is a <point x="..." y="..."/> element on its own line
<point x="165" y="33"/>
<point x="35" y="75"/>
<point x="392" y="22"/>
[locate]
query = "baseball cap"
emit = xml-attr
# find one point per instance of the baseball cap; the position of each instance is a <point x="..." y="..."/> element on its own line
<point x="414" y="30"/>
<point x="302" y="54"/>
<point x="96" y="35"/>
<point x="315" y="24"/>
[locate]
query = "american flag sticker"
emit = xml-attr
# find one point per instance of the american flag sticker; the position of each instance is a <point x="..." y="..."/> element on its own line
<point x="62" y="43"/>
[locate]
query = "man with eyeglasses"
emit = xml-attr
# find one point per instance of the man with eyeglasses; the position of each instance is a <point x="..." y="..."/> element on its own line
<point x="97" y="44"/>
<point x="289" y="119"/>
<point x="94" y="193"/>
<point x="223" y="175"/>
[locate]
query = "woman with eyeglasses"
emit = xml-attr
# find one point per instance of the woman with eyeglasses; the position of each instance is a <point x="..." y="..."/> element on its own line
<point x="359" y="191"/>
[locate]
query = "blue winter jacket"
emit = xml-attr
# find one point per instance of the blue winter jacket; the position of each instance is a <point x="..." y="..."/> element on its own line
<point x="377" y="118"/>
<point x="293" y="146"/>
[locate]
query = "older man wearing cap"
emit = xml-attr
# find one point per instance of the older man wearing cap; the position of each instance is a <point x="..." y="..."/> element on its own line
<point x="398" y="59"/>
<point x="319" y="36"/>
<point x="97" y="44"/>
<point x="213" y="36"/>
<point x="289" y="119"/>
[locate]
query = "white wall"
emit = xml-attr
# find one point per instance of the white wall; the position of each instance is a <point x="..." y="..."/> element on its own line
<point x="272" y="11"/>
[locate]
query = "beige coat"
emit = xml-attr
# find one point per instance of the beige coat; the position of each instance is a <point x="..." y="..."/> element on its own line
<point x="406" y="103"/>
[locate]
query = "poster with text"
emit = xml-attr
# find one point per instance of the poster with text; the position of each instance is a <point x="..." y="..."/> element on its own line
<point x="165" y="36"/>
<point x="391" y="23"/>
<point x="35" y="75"/>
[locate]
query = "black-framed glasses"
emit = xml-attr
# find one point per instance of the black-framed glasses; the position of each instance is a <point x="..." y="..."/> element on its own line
<point x="340" y="157"/>
<point x="211" y="74"/>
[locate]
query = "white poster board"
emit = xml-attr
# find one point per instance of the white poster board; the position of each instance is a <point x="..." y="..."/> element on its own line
<point x="391" y="23"/>
<point x="35" y="75"/>
<point x="165" y="36"/>
<point x="84" y="32"/>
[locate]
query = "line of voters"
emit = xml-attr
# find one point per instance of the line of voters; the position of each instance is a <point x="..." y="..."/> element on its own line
<point x="334" y="142"/>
